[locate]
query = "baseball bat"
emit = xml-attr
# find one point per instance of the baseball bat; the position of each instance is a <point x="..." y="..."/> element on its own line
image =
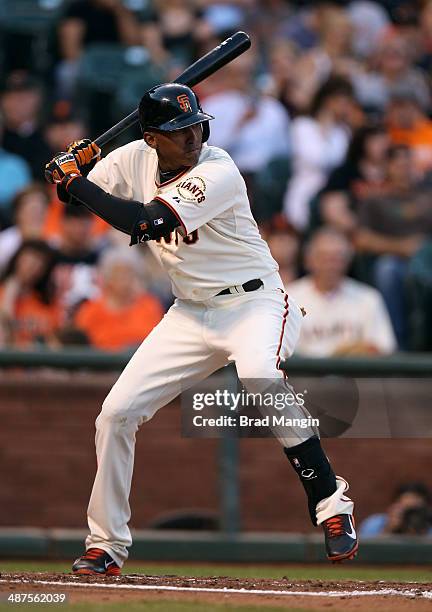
<point x="212" y="61"/>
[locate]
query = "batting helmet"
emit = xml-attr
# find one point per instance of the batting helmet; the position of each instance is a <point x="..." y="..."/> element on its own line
<point x="172" y="107"/>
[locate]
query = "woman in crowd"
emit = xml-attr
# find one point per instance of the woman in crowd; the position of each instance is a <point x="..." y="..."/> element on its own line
<point x="319" y="143"/>
<point x="361" y="176"/>
<point x="29" y="312"/>
<point x="29" y="211"/>
<point x="125" y="313"/>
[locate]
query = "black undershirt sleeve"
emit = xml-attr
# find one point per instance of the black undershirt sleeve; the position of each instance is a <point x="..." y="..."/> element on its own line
<point x="141" y="221"/>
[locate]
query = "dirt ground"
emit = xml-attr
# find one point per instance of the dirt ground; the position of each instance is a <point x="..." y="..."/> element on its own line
<point x="353" y="595"/>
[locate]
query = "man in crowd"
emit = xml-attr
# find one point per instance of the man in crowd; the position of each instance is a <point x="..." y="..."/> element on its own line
<point x="393" y="228"/>
<point x="343" y="316"/>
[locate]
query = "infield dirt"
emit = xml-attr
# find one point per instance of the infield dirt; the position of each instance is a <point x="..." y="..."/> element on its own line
<point x="337" y="595"/>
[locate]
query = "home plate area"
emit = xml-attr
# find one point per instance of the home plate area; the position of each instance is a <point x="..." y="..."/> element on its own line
<point x="356" y="595"/>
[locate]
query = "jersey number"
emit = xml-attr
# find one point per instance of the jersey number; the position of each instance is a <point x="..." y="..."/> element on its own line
<point x="189" y="239"/>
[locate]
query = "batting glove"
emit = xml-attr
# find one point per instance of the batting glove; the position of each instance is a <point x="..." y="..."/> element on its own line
<point x="86" y="152"/>
<point x="62" y="166"/>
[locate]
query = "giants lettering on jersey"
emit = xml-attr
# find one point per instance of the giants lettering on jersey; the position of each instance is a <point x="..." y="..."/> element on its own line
<point x="192" y="189"/>
<point x="189" y="239"/>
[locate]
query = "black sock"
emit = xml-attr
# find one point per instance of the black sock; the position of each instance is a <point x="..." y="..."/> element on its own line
<point x="314" y="470"/>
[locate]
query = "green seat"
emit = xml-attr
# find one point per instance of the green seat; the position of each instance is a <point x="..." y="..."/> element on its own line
<point x="108" y="68"/>
<point x="101" y="67"/>
<point x="27" y="28"/>
<point x="29" y="16"/>
<point x="134" y="82"/>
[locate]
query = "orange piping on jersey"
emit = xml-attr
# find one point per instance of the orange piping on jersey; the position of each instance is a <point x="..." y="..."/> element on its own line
<point x="284" y="318"/>
<point x="174" y="178"/>
<point x="174" y="211"/>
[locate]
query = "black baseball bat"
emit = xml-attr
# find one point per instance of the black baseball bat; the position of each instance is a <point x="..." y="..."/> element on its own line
<point x="212" y="61"/>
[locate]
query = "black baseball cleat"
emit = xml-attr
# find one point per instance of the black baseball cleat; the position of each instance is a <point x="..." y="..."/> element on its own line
<point x="96" y="562"/>
<point x="340" y="538"/>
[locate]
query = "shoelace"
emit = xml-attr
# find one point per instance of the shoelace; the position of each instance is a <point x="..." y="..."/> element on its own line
<point x="335" y="526"/>
<point x="93" y="553"/>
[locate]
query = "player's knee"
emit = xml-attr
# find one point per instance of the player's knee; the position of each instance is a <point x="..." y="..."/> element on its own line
<point x="115" y="410"/>
<point x="121" y="409"/>
<point x="113" y="406"/>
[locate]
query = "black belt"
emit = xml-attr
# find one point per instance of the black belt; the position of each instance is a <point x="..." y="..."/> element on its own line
<point x="251" y="285"/>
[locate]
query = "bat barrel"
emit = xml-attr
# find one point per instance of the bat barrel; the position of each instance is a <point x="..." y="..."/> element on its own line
<point x="215" y="59"/>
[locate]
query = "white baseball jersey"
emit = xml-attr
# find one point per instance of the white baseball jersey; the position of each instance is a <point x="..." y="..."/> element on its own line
<point x="218" y="244"/>
<point x="353" y="313"/>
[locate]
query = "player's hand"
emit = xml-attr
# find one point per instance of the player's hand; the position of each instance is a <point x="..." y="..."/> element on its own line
<point x="86" y="152"/>
<point x="61" y="166"/>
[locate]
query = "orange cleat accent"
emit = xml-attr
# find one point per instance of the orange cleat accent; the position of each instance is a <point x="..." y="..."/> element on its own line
<point x="96" y="562"/>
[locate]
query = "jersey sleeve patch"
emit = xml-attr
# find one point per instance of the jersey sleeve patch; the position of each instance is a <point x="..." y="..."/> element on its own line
<point x="183" y="230"/>
<point x="192" y="189"/>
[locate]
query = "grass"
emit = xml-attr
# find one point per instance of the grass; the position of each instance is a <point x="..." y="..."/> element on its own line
<point x="295" y="572"/>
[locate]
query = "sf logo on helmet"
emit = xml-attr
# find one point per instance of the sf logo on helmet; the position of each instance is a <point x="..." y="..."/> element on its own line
<point x="184" y="103"/>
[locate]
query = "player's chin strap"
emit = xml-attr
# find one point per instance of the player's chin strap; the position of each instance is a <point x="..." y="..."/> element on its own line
<point x="142" y="222"/>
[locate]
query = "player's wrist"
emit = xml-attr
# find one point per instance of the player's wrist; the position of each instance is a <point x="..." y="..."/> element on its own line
<point x="68" y="180"/>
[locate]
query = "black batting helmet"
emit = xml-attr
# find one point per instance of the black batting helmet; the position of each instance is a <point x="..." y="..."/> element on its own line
<point x="172" y="107"/>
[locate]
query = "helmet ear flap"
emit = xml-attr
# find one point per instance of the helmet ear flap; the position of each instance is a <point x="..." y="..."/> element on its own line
<point x="205" y="124"/>
<point x="206" y="131"/>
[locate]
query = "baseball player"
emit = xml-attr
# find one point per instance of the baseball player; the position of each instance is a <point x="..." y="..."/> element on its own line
<point x="189" y="201"/>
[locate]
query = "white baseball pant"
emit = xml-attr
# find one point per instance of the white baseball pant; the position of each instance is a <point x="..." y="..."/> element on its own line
<point x="194" y="339"/>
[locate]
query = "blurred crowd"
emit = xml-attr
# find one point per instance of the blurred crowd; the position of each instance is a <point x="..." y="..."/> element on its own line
<point x="328" y="117"/>
<point x="409" y="513"/>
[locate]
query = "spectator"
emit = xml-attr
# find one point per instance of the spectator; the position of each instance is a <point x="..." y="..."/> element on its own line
<point x="177" y="23"/>
<point x="284" y="247"/>
<point x="332" y="56"/>
<point x="362" y="175"/>
<point x="409" y="125"/>
<point x="303" y="28"/>
<point x="157" y="280"/>
<point x="424" y="59"/>
<point x="63" y="127"/>
<point x="124" y="314"/>
<point x="393" y="227"/>
<point x="14" y="176"/>
<point x="29" y="211"/>
<point x="393" y="75"/>
<point x="280" y="81"/>
<point x="21" y="103"/>
<point x="343" y="316"/>
<point x="253" y="128"/>
<point x="29" y="312"/>
<point x="319" y="144"/>
<point x="410" y="513"/>
<point x="86" y="22"/>
<point x="369" y="21"/>
<point x="53" y="227"/>
<point x="75" y="273"/>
